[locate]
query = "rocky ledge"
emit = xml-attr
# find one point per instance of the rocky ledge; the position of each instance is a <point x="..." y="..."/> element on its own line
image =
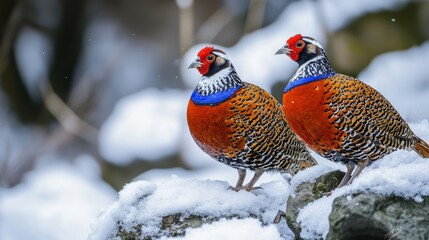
<point x="362" y="215"/>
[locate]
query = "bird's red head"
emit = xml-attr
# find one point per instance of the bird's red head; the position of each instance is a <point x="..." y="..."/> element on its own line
<point x="210" y="61"/>
<point x="206" y="58"/>
<point x="295" y="45"/>
<point x="302" y="49"/>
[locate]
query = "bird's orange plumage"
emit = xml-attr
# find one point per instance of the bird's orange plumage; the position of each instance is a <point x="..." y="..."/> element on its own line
<point x="308" y="115"/>
<point x="211" y="130"/>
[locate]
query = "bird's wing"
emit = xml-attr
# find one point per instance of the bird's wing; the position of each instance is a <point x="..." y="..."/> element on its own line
<point x="261" y="122"/>
<point x="364" y="112"/>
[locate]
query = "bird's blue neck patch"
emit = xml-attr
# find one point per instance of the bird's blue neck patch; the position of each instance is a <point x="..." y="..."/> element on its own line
<point x="214" y="98"/>
<point x="305" y="80"/>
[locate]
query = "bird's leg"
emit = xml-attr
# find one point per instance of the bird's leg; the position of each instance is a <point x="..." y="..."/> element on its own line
<point x="249" y="186"/>
<point x="241" y="177"/>
<point x="361" y="166"/>
<point x="350" y="166"/>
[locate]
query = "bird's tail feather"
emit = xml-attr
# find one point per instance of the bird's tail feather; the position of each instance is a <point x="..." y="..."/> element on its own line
<point x="421" y="148"/>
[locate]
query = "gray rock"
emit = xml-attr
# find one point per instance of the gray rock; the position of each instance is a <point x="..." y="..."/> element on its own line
<point x="308" y="192"/>
<point x="362" y="215"/>
<point x="375" y="216"/>
<point x="172" y="225"/>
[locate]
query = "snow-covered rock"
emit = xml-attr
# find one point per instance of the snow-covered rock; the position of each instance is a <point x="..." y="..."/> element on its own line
<point x="361" y="214"/>
<point x="167" y="209"/>
<point x="401" y="174"/>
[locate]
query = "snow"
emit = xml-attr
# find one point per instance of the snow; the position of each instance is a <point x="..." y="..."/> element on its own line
<point x="33" y="52"/>
<point x="16" y="140"/>
<point x="338" y="13"/>
<point x="233" y="229"/>
<point x="55" y="201"/>
<point x="403" y="78"/>
<point x="148" y="125"/>
<point x="144" y="202"/>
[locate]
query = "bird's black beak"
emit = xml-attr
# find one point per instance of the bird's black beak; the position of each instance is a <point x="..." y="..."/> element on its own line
<point x="283" y="50"/>
<point x="195" y="64"/>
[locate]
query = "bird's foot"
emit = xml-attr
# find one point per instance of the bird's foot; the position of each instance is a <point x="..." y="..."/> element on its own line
<point x="327" y="194"/>
<point x="251" y="188"/>
<point x="247" y="188"/>
<point x="279" y="217"/>
<point x="235" y="188"/>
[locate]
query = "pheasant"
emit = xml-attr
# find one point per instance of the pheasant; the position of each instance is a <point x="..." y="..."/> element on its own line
<point x="240" y="124"/>
<point x="340" y="117"/>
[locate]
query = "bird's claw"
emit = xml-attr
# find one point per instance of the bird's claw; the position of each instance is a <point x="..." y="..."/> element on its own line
<point x="279" y="217"/>
<point x="327" y="194"/>
<point x="244" y="188"/>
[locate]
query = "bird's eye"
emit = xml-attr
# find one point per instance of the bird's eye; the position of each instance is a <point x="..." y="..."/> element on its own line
<point x="299" y="44"/>
<point x="210" y="58"/>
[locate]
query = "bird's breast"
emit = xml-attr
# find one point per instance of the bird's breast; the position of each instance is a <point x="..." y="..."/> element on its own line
<point x="310" y="116"/>
<point x="211" y="127"/>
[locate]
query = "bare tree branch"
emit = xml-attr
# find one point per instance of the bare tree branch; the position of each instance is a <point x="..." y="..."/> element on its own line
<point x="68" y="119"/>
<point x="255" y="15"/>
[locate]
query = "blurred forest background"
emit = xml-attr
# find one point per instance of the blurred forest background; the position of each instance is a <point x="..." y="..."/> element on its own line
<point x="102" y="85"/>
<point x="65" y="64"/>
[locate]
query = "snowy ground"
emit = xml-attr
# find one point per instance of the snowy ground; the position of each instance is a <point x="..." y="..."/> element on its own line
<point x="55" y="201"/>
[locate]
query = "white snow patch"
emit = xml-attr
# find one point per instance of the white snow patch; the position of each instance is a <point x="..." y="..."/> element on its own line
<point x="33" y="52"/>
<point x="250" y="229"/>
<point x="337" y="14"/>
<point x="54" y="202"/>
<point x="401" y="173"/>
<point x="403" y="78"/>
<point x="143" y="202"/>
<point x="148" y="125"/>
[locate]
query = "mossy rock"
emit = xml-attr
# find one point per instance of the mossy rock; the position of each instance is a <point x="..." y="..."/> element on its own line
<point x="173" y="225"/>
<point x="308" y="192"/>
